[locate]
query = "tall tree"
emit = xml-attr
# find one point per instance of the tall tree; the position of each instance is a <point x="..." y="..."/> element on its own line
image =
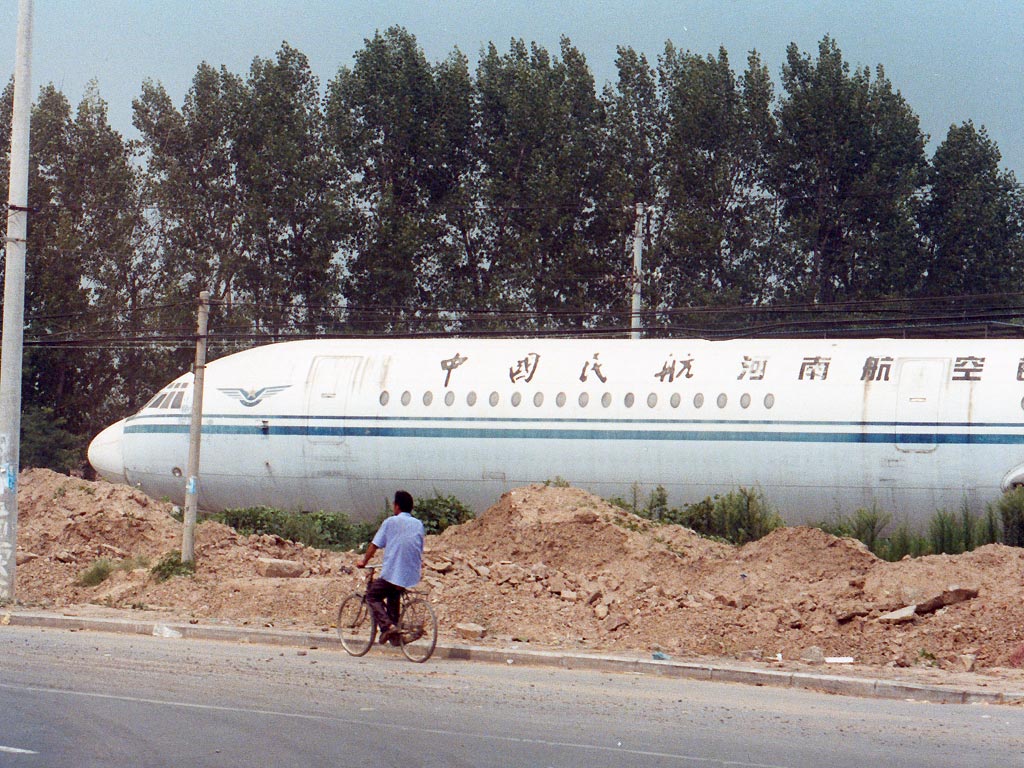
<point x="635" y="126"/>
<point x="103" y="198"/>
<point x="191" y="186"/>
<point x="545" y="186"/>
<point x="717" y="211"/>
<point x="292" y="205"/>
<point x="849" y="158"/>
<point x="79" y="281"/>
<point x="635" y="147"/>
<point x="456" y="279"/>
<point x="971" y="218"/>
<point x="403" y="131"/>
<point x="54" y="295"/>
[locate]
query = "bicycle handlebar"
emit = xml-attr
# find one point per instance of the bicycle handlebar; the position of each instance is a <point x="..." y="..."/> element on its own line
<point x="348" y="570"/>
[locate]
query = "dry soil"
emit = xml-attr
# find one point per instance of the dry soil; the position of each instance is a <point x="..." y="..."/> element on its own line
<point x="556" y="568"/>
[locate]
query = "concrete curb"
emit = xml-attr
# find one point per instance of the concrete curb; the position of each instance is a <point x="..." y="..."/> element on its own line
<point x="722" y="673"/>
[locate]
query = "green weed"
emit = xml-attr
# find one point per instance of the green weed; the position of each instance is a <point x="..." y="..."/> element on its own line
<point x="96" y="573"/>
<point x="438" y="512"/>
<point x="100" y="570"/>
<point x="170" y="565"/>
<point x="1011" y="512"/>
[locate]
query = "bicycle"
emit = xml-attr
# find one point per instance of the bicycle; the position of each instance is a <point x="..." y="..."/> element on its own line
<point x="417" y="624"/>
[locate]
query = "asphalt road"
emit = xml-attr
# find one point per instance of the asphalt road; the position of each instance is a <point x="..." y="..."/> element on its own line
<point x="93" y="699"/>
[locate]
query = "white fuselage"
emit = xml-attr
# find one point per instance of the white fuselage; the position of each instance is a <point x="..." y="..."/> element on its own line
<point x="819" y="426"/>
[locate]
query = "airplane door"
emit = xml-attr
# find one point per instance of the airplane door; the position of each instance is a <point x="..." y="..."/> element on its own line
<point x="918" y="401"/>
<point x="332" y="382"/>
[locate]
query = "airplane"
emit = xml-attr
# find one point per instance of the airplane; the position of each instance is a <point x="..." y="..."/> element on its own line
<point x="819" y="426"/>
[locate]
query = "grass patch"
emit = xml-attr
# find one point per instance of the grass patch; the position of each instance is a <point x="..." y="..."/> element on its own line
<point x="334" y="530"/>
<point x="100" y="570"/>
<point x="736" y="517"/>
<point x="745" y="515"/>
<point x="946" y="532"/>
<point x="170" y="565"/>
<point x="1010" y="509"/>
<point x="96" y="573"/>
<point x="323" y="530"/>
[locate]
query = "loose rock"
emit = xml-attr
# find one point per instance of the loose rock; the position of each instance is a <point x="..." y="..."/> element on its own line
<point x="279" y="569"/>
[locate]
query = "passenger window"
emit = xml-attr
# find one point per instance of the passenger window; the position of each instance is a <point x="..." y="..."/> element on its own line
<point x="428" y="398"/>
<point x="585" y="398"/>
<point x="494" y="399"/>
<point x="538" y="399"/>
<point x="449" y="398"/>
<point x="406" y="397"/>
<point x="723" y="399"/>
<point x="606" y="399"/>
<point x="769" y="400"/>
<point x="698" y="400"/>
<point x="652" y="400"/>
<point x="745" y="401"/>
<point x="675" y="400"/>
<point x="384" y="397"/>
<point x="517" y="398"/>
<point x="629" y="400"/>
<point x="560" y="399"/>
<point x="471" y="398"/>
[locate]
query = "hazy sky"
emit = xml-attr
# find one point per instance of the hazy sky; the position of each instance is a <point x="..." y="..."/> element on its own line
<point x="953" y="60"/>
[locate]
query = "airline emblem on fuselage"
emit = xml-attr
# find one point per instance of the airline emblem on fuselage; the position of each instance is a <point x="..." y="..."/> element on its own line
<point x="251" y="397"/>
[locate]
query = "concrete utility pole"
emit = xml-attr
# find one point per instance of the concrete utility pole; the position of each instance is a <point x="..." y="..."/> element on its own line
<point x="638" y="249"/>
<point x="188" y="540"/>
<point x="14" y="303"/>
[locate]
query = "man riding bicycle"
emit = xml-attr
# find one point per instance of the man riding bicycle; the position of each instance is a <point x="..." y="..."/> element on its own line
<point x="401" y="538"/>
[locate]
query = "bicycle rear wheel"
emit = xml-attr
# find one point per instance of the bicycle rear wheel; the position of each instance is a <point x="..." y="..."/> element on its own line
<point x="418" y="630"/>
<point x="356" y="627"/>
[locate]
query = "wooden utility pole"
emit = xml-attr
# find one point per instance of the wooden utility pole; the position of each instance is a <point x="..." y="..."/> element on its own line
<point x="188" y="539"/>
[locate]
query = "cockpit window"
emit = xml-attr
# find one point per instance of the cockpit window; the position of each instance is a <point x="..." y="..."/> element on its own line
<point x="170" y="397"/>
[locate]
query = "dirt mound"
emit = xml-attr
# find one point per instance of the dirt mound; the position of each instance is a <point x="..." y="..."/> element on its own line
<point x="66" y="524"/>
<point x="555" y="567"/>
<point x="575" y="531"/>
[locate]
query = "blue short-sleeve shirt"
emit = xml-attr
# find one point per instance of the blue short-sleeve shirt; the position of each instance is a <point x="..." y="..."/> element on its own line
<point x="401" y="538"/>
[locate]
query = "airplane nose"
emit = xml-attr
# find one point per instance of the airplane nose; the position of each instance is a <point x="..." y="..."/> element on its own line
<point x="105" y="453"/>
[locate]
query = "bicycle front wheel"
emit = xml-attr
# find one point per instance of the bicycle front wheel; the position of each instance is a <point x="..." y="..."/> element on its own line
<point x="418" y="630"/>
<point x="356" y="628"/>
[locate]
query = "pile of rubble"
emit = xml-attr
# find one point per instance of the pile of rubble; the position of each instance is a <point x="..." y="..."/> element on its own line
<point x="554" y="567"/>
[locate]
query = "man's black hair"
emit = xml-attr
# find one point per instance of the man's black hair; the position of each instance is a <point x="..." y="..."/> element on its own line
<point x="404" y="500"/>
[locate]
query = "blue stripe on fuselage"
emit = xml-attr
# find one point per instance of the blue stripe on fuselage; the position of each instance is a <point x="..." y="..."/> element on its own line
<point x="578" y="429"/>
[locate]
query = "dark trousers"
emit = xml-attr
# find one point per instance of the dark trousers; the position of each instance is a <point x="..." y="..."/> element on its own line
<point x="383" y="598"/>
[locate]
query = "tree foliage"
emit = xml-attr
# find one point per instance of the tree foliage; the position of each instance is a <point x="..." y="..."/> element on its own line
<point x="849" y="158"/>
<point x="715" y="212"/>
<point x="970" y="218"/>
<point x="292" y="220"/>
<point x="190" y="179"/>
<point x="402" y="131"/>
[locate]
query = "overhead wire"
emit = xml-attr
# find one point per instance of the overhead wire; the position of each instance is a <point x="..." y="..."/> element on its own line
<point x="98" y="327"/>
